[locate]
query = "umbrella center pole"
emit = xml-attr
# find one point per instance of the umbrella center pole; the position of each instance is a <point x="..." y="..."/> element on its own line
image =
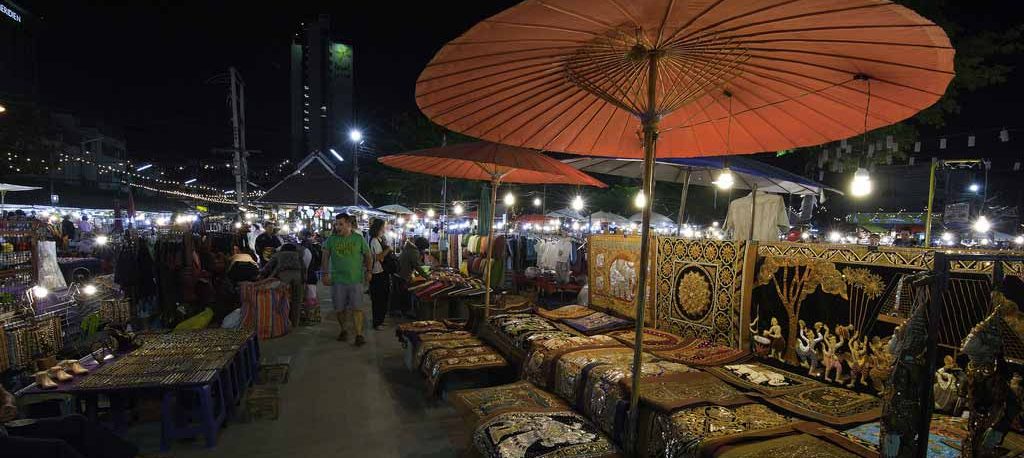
<point x="495" y="182"/>
<point x="650" y="132"/>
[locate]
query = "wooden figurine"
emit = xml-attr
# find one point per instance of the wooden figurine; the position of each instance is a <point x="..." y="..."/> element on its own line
<point x="807" y="351"/>
<point x="881" y="364"/>
<point x="858" y="361"/>
<point x="948" y="387"/>
<point x="830" y="354"/>
<point x="761" y="344"/>
<point x="778" y="342"/>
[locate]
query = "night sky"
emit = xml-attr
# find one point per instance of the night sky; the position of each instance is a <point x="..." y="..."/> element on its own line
<point x="142" y="66"/>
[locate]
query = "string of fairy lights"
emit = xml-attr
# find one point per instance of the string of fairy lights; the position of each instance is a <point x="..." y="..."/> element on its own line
<point x="24" y="164"/>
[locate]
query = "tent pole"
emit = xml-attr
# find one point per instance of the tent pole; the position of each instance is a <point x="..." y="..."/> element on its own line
<point x="931" y="200"/>
<point x="753" y="207"/>
<point x="495" y="182"/>
<point x="650" y="126"/>
<point x="443" y="231"/>
<point x="682" y="201"/>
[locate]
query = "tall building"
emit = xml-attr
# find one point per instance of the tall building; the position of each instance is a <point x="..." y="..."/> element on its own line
<point x="19" y="72"/>
<point x="322" y="107"/>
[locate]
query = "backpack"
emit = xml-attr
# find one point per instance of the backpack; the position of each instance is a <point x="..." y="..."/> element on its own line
<point x="390" y="261"/>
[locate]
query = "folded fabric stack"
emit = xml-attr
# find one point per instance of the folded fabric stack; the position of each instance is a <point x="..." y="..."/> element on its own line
<point x="539" y="367"/>
<point x="446" y="286"/>
<point x="515" y="333"/>
<point x="439" y="351"/>
<point x="597" y="323"/>
<point x="566" y="312"/>
<point x="653" y="339"/>
<point x="521" y="420"/>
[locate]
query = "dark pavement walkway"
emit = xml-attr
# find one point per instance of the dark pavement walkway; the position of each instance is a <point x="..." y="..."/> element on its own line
<point x="340" y="401"/>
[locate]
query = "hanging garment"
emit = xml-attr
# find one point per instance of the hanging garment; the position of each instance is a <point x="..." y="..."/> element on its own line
<point x="807" y="206"/>
<point x="769" y="218"/>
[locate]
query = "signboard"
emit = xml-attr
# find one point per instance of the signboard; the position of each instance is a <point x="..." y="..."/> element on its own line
<point x="202" y="208"/>
<point x="959" y="212"/>
<point x="7" y="11"/>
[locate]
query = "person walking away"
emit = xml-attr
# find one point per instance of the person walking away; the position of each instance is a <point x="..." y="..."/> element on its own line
<point x="267" y="243"/>
<point x="313" y="248"/>
<point x="287" y="266"/>
<point x="410" y="261"/>
<point x="380" y="282"/>
<point x="67" y="230"/>
<point x="84" y="226"/>
<point x="345" y="268"/>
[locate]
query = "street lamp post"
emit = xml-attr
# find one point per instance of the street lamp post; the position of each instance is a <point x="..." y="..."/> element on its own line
<point x="356" y="137"/>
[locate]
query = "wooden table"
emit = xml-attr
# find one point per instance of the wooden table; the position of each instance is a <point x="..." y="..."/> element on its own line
<point x="213" y="367"/>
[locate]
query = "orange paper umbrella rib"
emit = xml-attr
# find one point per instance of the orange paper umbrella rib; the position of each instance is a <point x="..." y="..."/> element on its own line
<point x="484" y="161"/>
<point x="570" y="75"/>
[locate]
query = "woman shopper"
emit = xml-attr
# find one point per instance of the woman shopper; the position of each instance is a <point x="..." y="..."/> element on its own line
<point x="380" y="282"/>
<point x="410" y="261"/>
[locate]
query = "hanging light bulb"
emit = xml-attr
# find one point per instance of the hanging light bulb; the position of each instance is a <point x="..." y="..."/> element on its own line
<point x="725" y="179"/>
<point x="430" y="213"/>
<point x="238" y="225"/>
<point x="458" y="209"/>
<point x="89" y="289"/>
<point x="101" y="240"/>
<point x="947" y="237"/>
<point x="640" y="201"/>
<point x="536" y="201"/>
<point x="400" y="221"/>
<point x="510" y="199"/>
<point x="40" y="291"/>
<point x="1019" y="240"/>
<point x="861" y="184"/>
<point x="835" y="237"/>
<point x="982" y="225"/>
<point x="577" y="203"/>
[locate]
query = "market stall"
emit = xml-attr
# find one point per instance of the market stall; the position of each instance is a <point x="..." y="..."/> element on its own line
<point x="693" y="82"/>
<point x="496" y="164"/>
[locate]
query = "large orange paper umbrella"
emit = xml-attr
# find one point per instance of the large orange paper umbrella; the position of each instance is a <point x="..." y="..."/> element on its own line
<point x="581" y="76"/>
<point x="616" y="78"/>
<point x="490" y="162"/>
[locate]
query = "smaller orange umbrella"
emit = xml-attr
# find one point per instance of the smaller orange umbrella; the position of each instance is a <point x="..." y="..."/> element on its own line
<point x="492" y="162"/>
<point x="486" y="161"/>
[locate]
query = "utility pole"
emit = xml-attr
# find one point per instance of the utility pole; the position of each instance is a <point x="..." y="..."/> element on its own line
<point x="238" y="129"/>
<point x="241" y="153"/>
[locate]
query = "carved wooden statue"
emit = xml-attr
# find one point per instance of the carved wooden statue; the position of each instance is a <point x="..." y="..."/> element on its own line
<point x="881" y="364"/>
<point x="950" y="381"/>
<point x="902" y="400"/>
<point x="990" y="402"/>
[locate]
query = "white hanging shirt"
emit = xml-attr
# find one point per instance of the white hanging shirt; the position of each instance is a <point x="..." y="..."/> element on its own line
<point x="769" y="218"/>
